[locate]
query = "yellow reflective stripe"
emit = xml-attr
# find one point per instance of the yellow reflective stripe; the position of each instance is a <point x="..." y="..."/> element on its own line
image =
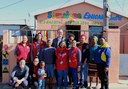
<point x="103" y="57"/>
<point x="105" y="45"/>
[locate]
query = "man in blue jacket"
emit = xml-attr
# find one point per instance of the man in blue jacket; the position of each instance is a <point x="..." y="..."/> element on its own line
<point x="102" y="58"/>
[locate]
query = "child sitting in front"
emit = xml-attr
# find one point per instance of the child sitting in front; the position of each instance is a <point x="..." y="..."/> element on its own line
<point x="41" y="75"/>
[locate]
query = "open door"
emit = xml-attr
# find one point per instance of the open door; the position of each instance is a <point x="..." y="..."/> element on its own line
<point x="73" y="28"/>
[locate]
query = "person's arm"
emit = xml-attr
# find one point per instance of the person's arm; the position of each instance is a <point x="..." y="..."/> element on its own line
<point x="108" y="56"/>
<point x="31" y="52"/>
<point x="79" y="57"/>
<point x="39" y="73"/>
<point x="54" y="57"/>
<point x="16" y="50"/>
<point x="53" y="43"/>
<point x="87" y="55"/>
<point x="42" y="53"/>
<point x="13" y="74"/>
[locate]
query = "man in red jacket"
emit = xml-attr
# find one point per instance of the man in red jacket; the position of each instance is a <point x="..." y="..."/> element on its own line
<point x="22" y="50"/>
<point x="74" y="63"/>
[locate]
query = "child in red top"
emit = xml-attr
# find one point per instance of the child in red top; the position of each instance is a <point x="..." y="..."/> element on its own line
<point x="62" y="64"/>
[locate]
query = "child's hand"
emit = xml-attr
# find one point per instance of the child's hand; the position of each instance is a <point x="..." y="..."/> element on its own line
<point x="34" y="75"/>
<point x="44" y="75"/>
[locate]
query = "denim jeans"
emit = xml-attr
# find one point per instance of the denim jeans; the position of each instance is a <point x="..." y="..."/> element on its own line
<point x="84" y="73"/>
<point x="62" y="75"/>
<point x="41" y="84"/>
<point x="74" y="73"/>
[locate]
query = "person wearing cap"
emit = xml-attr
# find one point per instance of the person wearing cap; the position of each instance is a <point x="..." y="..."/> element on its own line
<point x="20" y="74"/>
<point x="74" y="63"/>
<point x="102" y="58"/>
<point x="62" y="65"/>
<point x="60" y="37"/>
<point x="84" y="47"/>
<point x="48" y="56"/>
<point x="22" y="50"/>
<point x="92" y="69"/>
<point x="37" y="46"/>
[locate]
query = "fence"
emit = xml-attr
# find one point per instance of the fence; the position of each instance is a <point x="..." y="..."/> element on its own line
<point x="14" y="36"/>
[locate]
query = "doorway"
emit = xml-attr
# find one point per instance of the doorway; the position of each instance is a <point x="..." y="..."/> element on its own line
<point x="75" y="30"/>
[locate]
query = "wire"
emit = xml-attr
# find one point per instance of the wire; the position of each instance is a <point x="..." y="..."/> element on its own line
<point x="11" y="4"/>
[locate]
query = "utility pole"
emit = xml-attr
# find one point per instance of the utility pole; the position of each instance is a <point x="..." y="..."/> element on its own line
<point x="106" y="13"/>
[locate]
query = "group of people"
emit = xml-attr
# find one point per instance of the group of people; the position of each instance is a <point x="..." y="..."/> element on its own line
<point x="62" y="59"/>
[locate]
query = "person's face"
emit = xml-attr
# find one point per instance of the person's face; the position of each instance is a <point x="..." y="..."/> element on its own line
<point x="82" y="39"/>
<point x="102" y="41"/>
<point x="74" y="43"/>
<point x="49" y="43"/>
<point x="25" y="39"/>
<point x="94" y="41"/>
<point x="60" y="33"/>
<point x="42" y="65"/>
<point x="22" y="64"/>
<point x="71" y="39"/>
<point x="36" y="61"/>
<point x="39" y="37"/>
<point x="63" y="44"/>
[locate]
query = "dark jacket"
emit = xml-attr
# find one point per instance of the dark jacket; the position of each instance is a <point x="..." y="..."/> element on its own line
<point x="20" y="73"/>
<point x="103" y="55"/>
<point x="55" y="41"/>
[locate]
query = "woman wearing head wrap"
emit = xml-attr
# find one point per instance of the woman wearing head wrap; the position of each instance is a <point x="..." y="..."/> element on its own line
<point x="92" y="65"/>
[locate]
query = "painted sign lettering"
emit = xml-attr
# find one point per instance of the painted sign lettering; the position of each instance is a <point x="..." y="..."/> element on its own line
<point x="87" y="15"/>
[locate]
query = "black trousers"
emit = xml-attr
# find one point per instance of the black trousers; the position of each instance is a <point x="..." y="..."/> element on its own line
<point x="103" y="76"/>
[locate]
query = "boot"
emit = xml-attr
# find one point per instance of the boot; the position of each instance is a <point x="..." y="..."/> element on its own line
<point x="102" y="85"/>
<point x="106" y="85"/>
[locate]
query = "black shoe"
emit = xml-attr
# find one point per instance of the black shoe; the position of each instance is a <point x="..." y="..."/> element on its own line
<point x="80" y="84"/>
<point x="85" y="84"/>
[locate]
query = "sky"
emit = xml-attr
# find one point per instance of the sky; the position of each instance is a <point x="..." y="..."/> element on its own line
<point x="21" y="11"/>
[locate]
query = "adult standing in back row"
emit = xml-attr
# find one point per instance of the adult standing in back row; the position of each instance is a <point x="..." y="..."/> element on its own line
<point x="22" y="50"/>
<point x="48" y="56"/>
<point x="60" y="37"/>
<point x="37" y="47"/>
